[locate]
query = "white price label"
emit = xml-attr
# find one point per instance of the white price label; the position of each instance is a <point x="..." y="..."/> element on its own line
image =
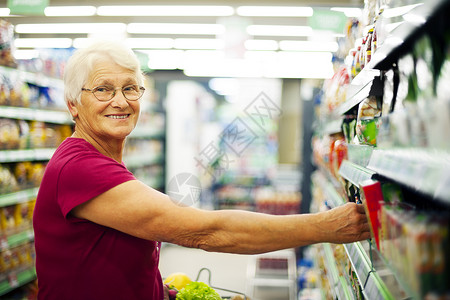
<point x="3" y="243"/>
<point x="13" y="281"/>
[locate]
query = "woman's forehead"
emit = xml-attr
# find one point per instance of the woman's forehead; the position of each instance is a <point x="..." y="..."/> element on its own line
<point x="104" y="72"/>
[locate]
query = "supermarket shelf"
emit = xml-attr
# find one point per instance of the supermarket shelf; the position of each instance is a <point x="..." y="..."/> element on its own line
<point x="359" y="154"/>
<point x="16" y="239"/>
<point x="333" y="197"/>
<point x="34" y="78"/>
<point x="7" y="156"/>
<point x="331" y="127"/>
<point x="17" y="279"/>
<point x="355" y="173"/>
<point x="18" y="197"/>
<point x="405" y="166"/>
<point x="373" y="287"/>
<point x="338" y="284"/>
<point x="35" y="114"/>
<point x="404" y="285"/>
<point x="364" y="84"/>
<point x="139" y="160"/>
<point x="402" y="37"/>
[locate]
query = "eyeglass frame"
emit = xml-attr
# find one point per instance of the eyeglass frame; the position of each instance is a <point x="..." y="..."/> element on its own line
<point x="114" y="91"/>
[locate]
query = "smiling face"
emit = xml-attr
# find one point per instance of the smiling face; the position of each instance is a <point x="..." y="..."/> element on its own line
<point x="105" y="121"/>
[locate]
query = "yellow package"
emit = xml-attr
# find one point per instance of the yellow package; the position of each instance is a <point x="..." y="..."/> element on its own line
<point x="7" y="219"/>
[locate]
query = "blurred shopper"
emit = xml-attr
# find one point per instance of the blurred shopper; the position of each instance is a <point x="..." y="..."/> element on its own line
<point x="98" y="229"/>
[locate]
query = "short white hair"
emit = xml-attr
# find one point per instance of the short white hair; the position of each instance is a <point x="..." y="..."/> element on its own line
<point x="79" y="66"/>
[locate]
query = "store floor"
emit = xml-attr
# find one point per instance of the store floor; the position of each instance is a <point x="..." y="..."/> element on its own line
<point x="228" y="271"/>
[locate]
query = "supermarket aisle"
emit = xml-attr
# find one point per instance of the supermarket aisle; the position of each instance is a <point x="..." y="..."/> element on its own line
<point x="227" y="270"/>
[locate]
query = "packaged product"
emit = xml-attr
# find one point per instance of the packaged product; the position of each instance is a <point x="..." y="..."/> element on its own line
<point x="7" y="219"/>
<point x="367" y="124"/>
<point x="9" y="134"/>
<point x="22" y="216"/>
<point x="371" y="196"/>
<point x="368" y="51"/>
<point x="6" y="44"/>
<point x="24" y="254"/>
<point x="6" y="261"/>
<point x="8" y="182"/>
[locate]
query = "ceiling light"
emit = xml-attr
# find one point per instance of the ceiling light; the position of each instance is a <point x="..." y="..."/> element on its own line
<point x="300" y="65"/>
<point x="67" y="28"/>
<point x="309" y="46"/>
<point x="165" y="59"/>
<point x="4" y="12"/>
<point x="274" y="11"/>
<point x="224" y="86"/>
<point x="43" y="43"/>
<point x="150" y="43"/>
<point x="165" y="10"/>
<point x="234" y="68"/>
<point x="176" y="28"/>
<point x="26" y="54"/>
<point x="349" y="12"/>
<point x="52" y="11"/>
<point x="207" y="44"/>
<point x="265" y="45"/>
<point x="279" y="30"/>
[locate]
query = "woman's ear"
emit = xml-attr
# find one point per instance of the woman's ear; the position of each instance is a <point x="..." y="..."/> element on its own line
<point x="72" y="109"/>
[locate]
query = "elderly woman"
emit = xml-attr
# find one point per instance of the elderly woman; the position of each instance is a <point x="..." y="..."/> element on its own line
<point x="98" y="229"/>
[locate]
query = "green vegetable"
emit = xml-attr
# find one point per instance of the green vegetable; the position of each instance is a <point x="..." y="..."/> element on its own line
<point x="197" y="291"/>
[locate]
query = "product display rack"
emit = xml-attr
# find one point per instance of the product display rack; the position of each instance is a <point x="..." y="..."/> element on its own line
<point x="375" y="275"/>
<point x="421" y="170"/>
<point x="148" y="142"/>
<point x="25" y="272"/>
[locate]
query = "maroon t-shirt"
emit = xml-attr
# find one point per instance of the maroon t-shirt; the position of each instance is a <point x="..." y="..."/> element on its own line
<point x="78" y="259"/>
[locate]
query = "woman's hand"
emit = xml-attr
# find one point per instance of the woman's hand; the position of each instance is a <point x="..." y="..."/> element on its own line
<point x="346" y="224"/>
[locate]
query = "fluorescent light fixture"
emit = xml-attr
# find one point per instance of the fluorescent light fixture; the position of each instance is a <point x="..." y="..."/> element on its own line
<point x="234" y="68"/>
<point x="58" y="11"/>
<point x="176" y="28"/>
<point x="67" y="28"/>
<point x="4" y="12"/>
<point x="165" y="59"/>
<point x="260" y="55"/>
<point x="350" y="12"/>
<point x="264" y="45"/>
<point x="279" y="30"/>
<point x="224" y="86"/>
<point x="309" y="46"/>
<point x="43" y="43"/>
<point x="150" y="43"/>
<point x="82" y="42"/>
<point x="165" y="10"/>
<point x="26" y="54"/>
<point x="399" y="11"/>
<point x="300" y="65"/>
<point x="207" y="44"/>
<point x="274" y="11"/>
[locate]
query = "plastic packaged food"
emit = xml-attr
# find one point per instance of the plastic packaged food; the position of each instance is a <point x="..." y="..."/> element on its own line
<point x="367" y="124"/>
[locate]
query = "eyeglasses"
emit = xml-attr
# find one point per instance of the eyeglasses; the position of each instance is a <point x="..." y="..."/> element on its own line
<point x="106" y="92"/>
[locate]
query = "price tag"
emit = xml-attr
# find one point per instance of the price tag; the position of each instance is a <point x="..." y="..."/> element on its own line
<point x="13" y="281"/>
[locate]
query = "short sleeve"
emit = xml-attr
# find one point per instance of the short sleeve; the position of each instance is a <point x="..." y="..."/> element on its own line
<point x="86" y="176"/>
